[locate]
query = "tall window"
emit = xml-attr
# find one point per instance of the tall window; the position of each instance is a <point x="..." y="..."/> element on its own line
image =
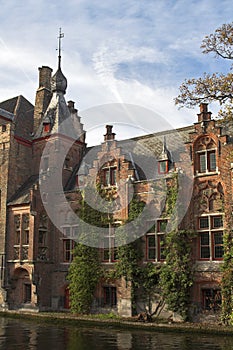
<point x="68" y="247"/>
<point x="21" y="236"/>
<point x="70" y="236"/>
<point x="211" y="237"/>
<point x="42" y="254"/>
<point x="109" y="251"/>
<point x="155" y="241"/>
<point x="110" y="176"/>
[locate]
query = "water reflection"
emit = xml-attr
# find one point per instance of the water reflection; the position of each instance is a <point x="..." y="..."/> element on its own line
<point x="18" y="334"/>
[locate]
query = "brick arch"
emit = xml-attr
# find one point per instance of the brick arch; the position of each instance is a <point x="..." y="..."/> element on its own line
<point x="21" y="287"/>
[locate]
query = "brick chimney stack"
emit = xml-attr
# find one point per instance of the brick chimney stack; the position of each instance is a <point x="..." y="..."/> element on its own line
<point x="204" y="114"/>
<point x="109" y="136"/>
<point x="45" y="77"/>
<point x="43" y="95"/>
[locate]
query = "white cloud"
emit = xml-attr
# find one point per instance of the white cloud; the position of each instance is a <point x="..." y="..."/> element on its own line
<point x="135" y="52"/>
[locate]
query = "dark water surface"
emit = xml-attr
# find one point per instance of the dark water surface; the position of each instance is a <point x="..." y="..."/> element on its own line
<point x="18" y="334"/>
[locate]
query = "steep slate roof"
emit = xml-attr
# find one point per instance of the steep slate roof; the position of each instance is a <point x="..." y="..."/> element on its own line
<point x="142" y="151"/>
<point x="22" y="196"/>
<point x="23" y="111"/>
<point x="6" y="114"/>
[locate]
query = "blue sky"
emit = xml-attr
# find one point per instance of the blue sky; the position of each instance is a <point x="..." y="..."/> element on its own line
<point x="131" y="52"/>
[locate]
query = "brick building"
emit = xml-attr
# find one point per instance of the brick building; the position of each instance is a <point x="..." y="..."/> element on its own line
<point x="37" y="237"/>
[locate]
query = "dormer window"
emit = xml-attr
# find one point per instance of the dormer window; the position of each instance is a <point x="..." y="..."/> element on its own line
<point x="163" y="166"/>
<point x="165" y="159"/>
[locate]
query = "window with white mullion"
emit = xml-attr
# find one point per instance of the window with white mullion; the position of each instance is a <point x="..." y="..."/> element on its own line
<point x="211" y="237"/>
<point x="207" y="160"/>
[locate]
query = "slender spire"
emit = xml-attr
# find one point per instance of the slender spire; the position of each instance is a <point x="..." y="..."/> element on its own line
<point x="61" y="35"/>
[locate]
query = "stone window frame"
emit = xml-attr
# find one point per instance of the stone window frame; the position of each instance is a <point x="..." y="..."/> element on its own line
<point x="206" y="156"/>
<point x="21" y="236"/>
<point x="208" y="244"/>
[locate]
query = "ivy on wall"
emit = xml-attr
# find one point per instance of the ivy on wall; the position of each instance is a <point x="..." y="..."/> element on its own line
<point x="176" y="276"/>
<point x="227" y="279"/>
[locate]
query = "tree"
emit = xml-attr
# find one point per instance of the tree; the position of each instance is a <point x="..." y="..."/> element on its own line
<point x="212" y="87"/>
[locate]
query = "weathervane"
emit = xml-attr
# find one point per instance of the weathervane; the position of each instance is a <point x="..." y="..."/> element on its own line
<point x="61" y="35"/>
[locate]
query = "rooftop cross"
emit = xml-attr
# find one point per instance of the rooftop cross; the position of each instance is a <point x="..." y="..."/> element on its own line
<point x="61" y="35"/>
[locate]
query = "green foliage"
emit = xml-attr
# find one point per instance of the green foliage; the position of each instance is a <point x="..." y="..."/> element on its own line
<point x="176" y="276"/>
<point x="171" y="195"/>
<point x="227" y="279"/>
<point x="84" y="274"/>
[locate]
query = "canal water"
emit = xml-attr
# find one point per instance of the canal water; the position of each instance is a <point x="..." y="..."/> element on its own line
<point x="18" y="334"/>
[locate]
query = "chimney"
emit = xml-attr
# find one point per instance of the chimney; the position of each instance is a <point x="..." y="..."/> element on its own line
<point x="109" y="136"/>
<point x="45" y="74"/>
<point x="70" y="105"/>
<point x="204" y="115"/>
<point x="43" y="95"/>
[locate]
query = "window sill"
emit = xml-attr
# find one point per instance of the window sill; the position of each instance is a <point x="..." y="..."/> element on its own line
<point x="209" y="173"/>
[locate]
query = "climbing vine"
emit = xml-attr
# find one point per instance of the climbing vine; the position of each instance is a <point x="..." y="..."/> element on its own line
<point x="176" y="276"/>
<point x="227" y="279"/>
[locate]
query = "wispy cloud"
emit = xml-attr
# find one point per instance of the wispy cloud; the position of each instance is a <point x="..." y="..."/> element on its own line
<point x="131" y="51"/>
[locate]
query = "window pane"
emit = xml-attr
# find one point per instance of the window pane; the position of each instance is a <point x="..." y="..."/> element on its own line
<point x="217" y="221"/>
<point x="205" y="238"/>
<point x="218" y="245"/>
<point x="151" y="247"/>
<point x="204" y="222"/>
<point x="205" y="252"/>
<point x="204" y="246"/>
<point x="151" y="254"/>
<point x="202" y="160"/>
<point x="218" y="238"/>
<point x="211" y="161"/>
<point x="113" y="176"/>
<point x="162" y="255"/>
<point x="107" y="177"/>
<point x="163" y="167"/>
<point x="151" y="241"/>
<point x="162" y="225"/>
<point x="218" y="252"/>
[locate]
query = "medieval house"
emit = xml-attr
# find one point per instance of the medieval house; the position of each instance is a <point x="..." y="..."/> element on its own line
<point x="37" y="235"/>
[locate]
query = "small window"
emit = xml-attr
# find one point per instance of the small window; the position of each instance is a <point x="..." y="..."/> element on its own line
<point x="163" y="167"/>
<point x="3" y="128"/>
